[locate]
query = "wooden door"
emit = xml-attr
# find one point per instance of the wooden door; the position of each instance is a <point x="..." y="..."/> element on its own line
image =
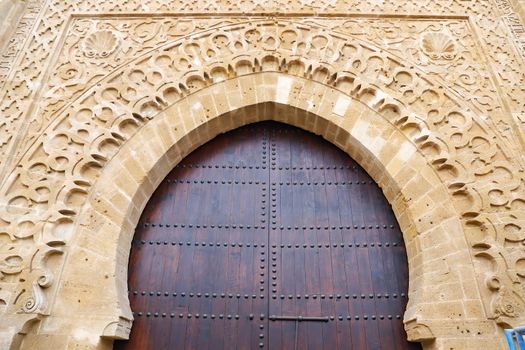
<point x="268" y="237"/>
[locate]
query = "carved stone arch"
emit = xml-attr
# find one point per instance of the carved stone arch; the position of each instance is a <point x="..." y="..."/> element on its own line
<point x="49" y="187"/>
<point x="130" y="177"/>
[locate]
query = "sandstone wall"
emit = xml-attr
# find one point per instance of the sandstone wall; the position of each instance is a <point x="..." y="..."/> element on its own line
<point x="99" y="100"/>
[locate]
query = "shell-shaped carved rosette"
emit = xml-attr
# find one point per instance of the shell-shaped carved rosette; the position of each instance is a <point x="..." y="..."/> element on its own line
<point x="100" y="44"/>
<point x="438" y="46"/>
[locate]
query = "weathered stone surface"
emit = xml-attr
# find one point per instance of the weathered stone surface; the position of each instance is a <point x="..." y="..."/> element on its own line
<point x="99" y="100"/>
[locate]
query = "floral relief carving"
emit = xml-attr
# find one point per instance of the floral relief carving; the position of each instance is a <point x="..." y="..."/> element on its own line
<point x="461" y="111"/>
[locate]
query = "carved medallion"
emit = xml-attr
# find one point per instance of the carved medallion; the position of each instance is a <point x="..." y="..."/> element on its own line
<point x="438" y="46"/>
<point x="100" y="44"/>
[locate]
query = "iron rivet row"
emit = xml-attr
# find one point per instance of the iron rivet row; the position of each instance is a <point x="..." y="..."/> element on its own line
<point x="339" y="296"/>
<point x="335" y="245"/>
<point x="203" y="166"/>
<point x="322" y="167"/>
<point x="346" y="227"/>
<point x="216" y="182"/>
<point x="321" y="183"/>
<point x="225" y="226"/>
<point x="205" y="244"/>
<point x="198" y="295"/>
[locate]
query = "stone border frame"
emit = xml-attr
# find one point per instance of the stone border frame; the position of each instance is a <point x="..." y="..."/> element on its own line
<point x="425" y="320"/>
<point x="99" y="253"/>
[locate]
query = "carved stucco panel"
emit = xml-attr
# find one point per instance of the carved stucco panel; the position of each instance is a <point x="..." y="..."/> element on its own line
<point x="464" y="71"/>
<point x="49" y="25"/>
<point x="87" y="60"/>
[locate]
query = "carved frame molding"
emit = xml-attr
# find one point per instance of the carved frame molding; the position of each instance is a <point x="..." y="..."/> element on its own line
<point x="488" y="192"/>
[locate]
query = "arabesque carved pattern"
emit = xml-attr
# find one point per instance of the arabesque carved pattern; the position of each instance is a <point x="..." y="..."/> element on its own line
<point x="16" y="97"/>
<point x="50" y="184"/>
<point x="463" y="73"/>
<point x="74" y="72"/>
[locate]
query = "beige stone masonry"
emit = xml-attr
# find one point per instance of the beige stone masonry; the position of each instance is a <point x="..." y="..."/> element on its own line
<point x="436" y="290"/>
<point x="96" y="108"/>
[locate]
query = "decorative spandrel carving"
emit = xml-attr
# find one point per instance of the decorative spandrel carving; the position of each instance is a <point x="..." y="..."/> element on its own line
<point x="465" y="72"/>
<point x="52" y="21"/>
<point x="76" y="71"/>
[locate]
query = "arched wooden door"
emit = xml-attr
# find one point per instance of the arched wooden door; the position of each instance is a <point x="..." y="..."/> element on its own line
<point x="268" y="237"/>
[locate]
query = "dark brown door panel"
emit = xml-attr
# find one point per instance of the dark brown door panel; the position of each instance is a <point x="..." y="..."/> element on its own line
<point x="268" y="237"/>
